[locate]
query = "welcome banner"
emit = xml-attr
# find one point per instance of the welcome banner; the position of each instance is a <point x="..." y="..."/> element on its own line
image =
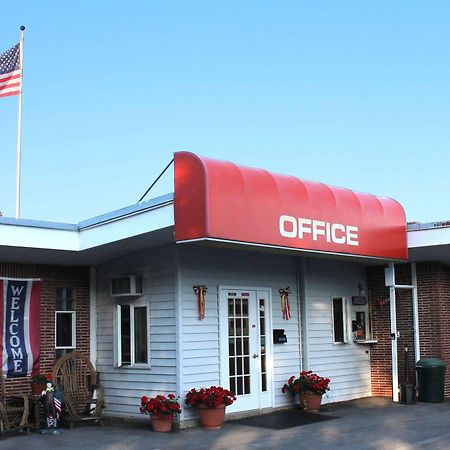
<point x="19" y="321"/>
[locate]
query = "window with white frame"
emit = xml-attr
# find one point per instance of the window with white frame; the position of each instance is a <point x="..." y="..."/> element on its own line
<point x="132" y="335"/>
<point x="339" y="313"/>
<point x="65" y="321"/>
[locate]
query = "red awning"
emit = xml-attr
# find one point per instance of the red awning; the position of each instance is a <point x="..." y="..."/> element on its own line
<point x="223" y="201"/>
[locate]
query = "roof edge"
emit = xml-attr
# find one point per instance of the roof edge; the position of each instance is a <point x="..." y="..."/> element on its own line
<point x="97" y="220"/>
<point x="428" y="226"/>
<point x="127" y="211"/>
<point x="38" y="224"/>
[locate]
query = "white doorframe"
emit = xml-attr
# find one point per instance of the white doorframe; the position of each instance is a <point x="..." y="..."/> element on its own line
<point x="265" y="399"/>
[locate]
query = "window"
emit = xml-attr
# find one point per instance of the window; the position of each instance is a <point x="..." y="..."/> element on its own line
<point x="361" y="324"/>
<point x="65" y="321"/>
<point x="339" y="311"/>
<point x="131" y="335"/>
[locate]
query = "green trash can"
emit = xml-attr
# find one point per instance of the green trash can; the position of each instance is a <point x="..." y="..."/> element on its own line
<point x="431" y="379"/>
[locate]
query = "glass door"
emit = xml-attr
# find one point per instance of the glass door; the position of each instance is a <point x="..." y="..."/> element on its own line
<point x="245" y="371"/>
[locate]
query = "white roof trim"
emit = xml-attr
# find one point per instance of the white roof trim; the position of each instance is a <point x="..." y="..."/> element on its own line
<point x="33" y="237"/>
<point x="117" y="225"/>
<point x="129" y="226"/>
<point x="429" y="237"/>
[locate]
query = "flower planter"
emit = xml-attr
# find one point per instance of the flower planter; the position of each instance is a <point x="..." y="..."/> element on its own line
<point x="162" y="410"/>
<point x="36" y="388"/>
<point x="310" y="401"/>
<point x="212" y="417"/>
<point x="309" y="387"/>
<point x="161" y="424"/>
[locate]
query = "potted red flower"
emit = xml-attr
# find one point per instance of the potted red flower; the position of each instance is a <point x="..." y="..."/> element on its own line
<point x="310" y="388"/>
<point x="162" y="410"/>
<point x="38" y="382"/>
<point x="211" y="403"/>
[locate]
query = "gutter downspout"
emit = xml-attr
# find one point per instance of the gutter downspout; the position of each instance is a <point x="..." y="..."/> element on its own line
<point x="389" y="276"/>
<point x="390" y="281"/>
<point x="179" y="325"/>
<point x="300" y="301"/>
<point x="415" y="312"/>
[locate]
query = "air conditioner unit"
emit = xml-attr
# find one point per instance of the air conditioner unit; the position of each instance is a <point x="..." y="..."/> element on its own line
<point x="126" y="286"/>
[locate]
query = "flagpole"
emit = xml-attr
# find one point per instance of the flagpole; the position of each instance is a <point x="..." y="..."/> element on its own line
<point x="19" y="127"/>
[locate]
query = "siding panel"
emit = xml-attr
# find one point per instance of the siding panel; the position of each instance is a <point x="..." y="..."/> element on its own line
<point x="125" y="386"/>
<point x="200" y="339"/>
<point x="347" y="365"/>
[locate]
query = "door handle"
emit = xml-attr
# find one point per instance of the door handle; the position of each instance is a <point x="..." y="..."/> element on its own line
<point x="255" y="355"/>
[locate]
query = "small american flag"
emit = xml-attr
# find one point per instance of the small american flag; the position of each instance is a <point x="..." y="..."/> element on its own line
<point x="10" y="72"/>
<point x="57" y="399"/>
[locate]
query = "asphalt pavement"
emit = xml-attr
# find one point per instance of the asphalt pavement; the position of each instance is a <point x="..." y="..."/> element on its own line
<point x="372" y="423"/>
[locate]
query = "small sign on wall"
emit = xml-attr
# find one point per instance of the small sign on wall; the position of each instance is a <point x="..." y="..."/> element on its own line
<point x="359" y="300"/>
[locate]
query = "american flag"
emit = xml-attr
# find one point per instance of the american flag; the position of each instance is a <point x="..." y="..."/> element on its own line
<point x="58" y="403"/>
<point x="10" y="72"/>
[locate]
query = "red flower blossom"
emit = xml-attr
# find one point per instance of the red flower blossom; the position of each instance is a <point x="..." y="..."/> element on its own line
<point x="307" y="382"/>
<point x="211" y="397"/>
<point x="160" y="406"/>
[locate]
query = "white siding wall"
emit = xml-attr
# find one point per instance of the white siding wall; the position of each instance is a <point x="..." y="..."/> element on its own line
<point x="125" y="386"/>
<point x="170" y="273"/>
<point x="347" y="365"/>
<point x="200" y="361"/>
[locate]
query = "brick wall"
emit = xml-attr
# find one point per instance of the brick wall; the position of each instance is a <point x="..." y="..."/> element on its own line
<point x="53" y="277"/>
<point x="433" y="290"/>
<point x="434" y="313"/>
<point x="380" y="354"/>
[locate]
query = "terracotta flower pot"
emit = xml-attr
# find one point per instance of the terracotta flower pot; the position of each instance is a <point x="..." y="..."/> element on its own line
<point x="212" y="417"/>
<point x="161" y="424"/>
<point x="36" y="388"/>
<point x="310" y="401"/>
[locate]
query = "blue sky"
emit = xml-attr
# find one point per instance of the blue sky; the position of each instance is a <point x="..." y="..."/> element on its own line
<point x="350" y="93"/>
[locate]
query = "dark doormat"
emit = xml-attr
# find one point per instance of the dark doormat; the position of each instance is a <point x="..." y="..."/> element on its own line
<point x="281" y="420"/>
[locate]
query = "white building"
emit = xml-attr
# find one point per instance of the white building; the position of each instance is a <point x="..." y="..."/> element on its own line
<point x="245" y="234"/>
